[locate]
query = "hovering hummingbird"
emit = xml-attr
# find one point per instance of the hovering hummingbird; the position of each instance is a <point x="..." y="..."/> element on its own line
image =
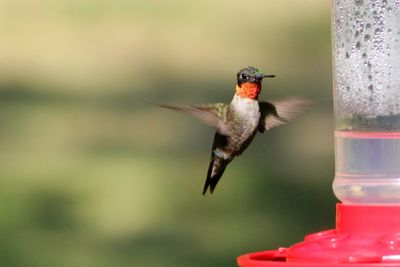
<point x="237" y="123"/>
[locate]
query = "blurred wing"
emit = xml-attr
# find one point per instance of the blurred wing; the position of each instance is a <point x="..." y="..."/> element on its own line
<point x="280" y="112"/>
<point x="211" y="114"/>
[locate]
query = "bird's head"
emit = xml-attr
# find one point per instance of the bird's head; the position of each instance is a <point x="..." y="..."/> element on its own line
<point x="249" y="82"/>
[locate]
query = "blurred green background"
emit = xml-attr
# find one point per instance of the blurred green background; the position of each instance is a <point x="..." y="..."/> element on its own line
<point x="92" y="175"/>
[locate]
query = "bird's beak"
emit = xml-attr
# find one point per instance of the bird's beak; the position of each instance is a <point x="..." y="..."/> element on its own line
<point x="266" y="76"/>
<point x="259" y="77"/>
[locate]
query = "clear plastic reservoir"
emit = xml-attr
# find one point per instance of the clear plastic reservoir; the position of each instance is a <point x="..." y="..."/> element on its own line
<point x="366" y="54"/>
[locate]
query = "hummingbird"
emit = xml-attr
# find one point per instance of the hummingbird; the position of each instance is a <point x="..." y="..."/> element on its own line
<point x="237" y="123"/>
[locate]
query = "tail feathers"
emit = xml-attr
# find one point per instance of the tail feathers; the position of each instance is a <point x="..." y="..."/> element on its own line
<point x="215" y="170"/>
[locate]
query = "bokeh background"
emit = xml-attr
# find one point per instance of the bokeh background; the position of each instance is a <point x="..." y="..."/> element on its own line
<point x="93" y="175"/>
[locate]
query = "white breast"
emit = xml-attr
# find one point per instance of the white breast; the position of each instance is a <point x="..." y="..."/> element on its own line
<point x="248" y="110"/>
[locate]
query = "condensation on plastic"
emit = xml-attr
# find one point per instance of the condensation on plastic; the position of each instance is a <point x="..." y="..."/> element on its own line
<point x="366" y="55"/>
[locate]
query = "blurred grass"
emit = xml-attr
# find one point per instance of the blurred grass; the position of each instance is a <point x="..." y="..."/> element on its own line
<point x="94" y="176"/>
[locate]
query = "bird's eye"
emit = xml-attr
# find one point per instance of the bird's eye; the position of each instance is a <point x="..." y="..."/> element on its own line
<point x="243" y="76"/>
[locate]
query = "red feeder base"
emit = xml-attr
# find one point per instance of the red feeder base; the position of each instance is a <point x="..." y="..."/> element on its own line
<point x="365" y="236"/>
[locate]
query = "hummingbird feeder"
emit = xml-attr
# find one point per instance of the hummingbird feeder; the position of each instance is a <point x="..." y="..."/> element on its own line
<point x="366" y="56"/>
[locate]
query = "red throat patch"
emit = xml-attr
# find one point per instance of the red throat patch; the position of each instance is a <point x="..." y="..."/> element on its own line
<point x="248" y="90"/>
